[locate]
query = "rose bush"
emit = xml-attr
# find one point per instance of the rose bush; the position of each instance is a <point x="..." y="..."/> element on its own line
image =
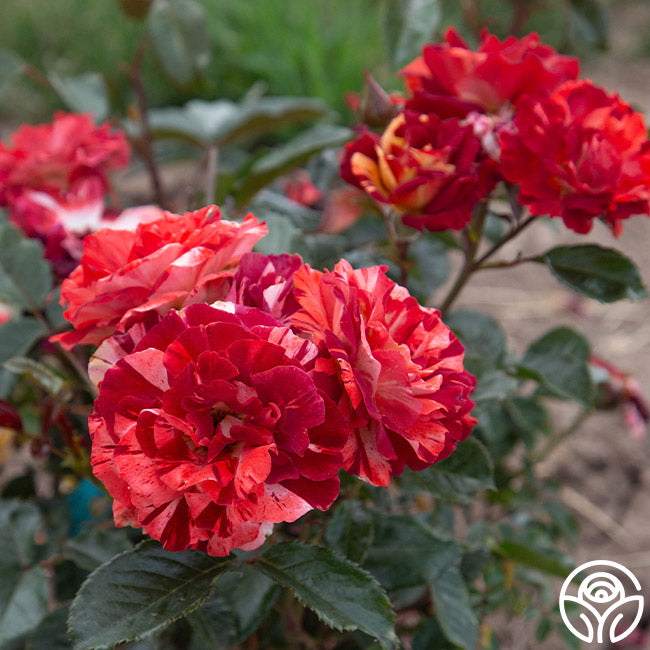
<point x="314" y="415"/>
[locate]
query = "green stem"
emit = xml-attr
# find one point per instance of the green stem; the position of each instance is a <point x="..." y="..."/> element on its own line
<point x="144" y="144"/>
<point x="66" y="355"/>
<point x="78" y="368"/>
<point x="400" y="245"/>
<point x="473" y="234"/>
<point x="511" y="235"/>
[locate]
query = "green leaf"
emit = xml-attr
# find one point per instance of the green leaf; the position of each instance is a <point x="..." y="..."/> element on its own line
<point x="494" y="427"/>
<point x="23" y="587"/>
<point x="45" y="377"/>
<point x="18" y="335"/>
<point x="533" y="558"/>
<point x="92" y="548"/>
<point x="528" y="414"/>
<point x="560" y="359"/>
<point x="213" y="625"/>
<point x="350" y="531"/>
<point x="19" y="523"/>
<point x="342" y="595"/>
<point x="453" y="611"/>
<point x="84" y="93"/>
<point x="407" y="553"/>
<point x="529" y="418"/>
<point x="407" y="26"/>
<point x="51" y="633"/>
<point x="292" y="154"/>
<point x="544" y="628"/>
<point x="140" y="592"/>
<point x="23" y="600"/>
<point x="459" y="477"/>
<point x="600" y="273"/>
<point x="240" y="601"/>
<point x="266" y="114"/>
<point x="480" y="333"/>
<point x="301" y="216"/>
<point x="11" y="65"/>
<point x="25" y="276"/>
<point x="223" y="122"/>
<point x="429" y="636"/>
<point x="431" y="266"/>
<point x="283" y="236"/>
<point x="54" y="310"/>
<point x="180" y="38"/>
<point x="492" y="383"/>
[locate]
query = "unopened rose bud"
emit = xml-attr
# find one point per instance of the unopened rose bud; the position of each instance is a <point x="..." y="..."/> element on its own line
<point x="376" y="108"/>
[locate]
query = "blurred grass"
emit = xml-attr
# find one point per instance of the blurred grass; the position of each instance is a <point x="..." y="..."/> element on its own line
<point x="315" y="47"/>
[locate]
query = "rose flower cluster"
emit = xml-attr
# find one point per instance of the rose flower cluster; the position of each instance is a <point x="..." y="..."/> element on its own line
<point x="234" y="386"/>
<point x="53" y="179"/>
<point x="510" y="110"/>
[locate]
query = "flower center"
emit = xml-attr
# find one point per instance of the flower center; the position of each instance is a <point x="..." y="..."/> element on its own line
<point x="218" y="413"/>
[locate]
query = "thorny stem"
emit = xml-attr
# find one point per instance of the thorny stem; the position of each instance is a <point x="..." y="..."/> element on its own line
<point x="512" y="234"/>
<point x="144" y="144"/>
<point x="474" y="233"/>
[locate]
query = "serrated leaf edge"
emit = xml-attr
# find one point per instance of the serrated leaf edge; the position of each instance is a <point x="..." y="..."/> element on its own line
<point x="393" y="642"/>
<point x="137" y="637"/>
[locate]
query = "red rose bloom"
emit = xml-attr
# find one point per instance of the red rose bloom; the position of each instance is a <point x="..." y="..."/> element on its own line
<point x="52" y="157"/>
<point x="53" y="178"/>
<point x="430" y="169"/>
<point x="452" y="80"/>
<point x="169" y="262"/>
<point x="394" y="367"/>
<point x="579" y="155"/>
<point x="211" y="430"/>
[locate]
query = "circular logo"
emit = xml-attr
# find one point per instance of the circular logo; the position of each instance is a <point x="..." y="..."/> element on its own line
<point x="606" y="601"/>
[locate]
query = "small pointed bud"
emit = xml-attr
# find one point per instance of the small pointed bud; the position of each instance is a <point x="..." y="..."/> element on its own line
<point x="376" y="108"/>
